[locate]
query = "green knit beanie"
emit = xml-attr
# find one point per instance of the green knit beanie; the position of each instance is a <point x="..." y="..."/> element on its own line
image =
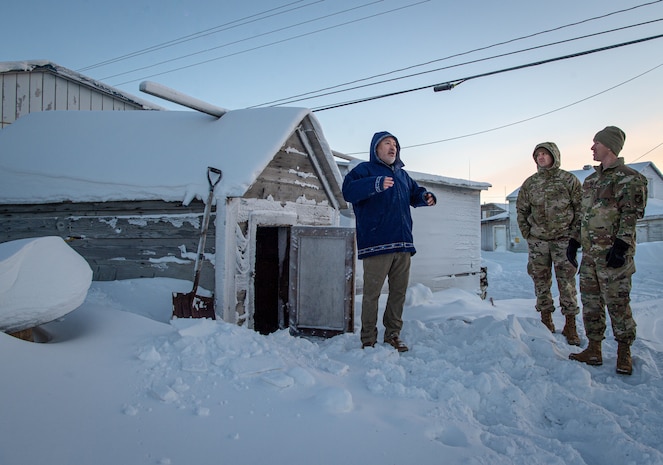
<point x="612" y="137"/>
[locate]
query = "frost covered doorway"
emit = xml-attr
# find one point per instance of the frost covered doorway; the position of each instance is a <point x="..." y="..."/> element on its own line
<point x="271" y="279"/>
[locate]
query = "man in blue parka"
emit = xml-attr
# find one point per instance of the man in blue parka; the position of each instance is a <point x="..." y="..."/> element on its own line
<point x="381" y="193"/>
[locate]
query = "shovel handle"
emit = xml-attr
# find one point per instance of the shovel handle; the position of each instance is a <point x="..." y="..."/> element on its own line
<point x="217" y="172"/>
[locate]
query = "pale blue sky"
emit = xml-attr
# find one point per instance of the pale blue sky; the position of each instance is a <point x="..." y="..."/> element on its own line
<point x="272" y="50"/>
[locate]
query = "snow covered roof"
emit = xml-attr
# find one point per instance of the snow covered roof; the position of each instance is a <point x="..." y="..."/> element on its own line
<point x="589" y="169"/>
<point x="48" y="66"/>
<point x="436" y="179"/>
<point x="426" y="177"/>
<point x="98" y="156"/>
<point x="499" y="217"/>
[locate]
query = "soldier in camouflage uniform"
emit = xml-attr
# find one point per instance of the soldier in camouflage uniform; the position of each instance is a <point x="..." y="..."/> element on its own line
<point x="613" y="199"/>
<point x="548" y="209"/>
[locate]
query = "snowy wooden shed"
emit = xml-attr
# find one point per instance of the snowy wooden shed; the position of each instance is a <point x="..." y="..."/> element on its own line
<point x="447" y="237"/>
<point x="126" y="189"/>
<point x="40" y="85"/>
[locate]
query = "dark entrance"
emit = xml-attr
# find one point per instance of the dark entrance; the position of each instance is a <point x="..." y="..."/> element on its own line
<point x="271" y="279"/>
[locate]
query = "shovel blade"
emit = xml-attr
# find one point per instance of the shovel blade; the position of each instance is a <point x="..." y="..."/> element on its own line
<point x="190" y="305"/>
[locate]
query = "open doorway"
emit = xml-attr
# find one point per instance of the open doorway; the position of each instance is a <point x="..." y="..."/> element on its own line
<point x="271" y="279"/>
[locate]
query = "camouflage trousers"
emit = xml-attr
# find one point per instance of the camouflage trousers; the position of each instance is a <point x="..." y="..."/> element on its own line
<point x="602" y="287"/>
<point x="543" y="257"/>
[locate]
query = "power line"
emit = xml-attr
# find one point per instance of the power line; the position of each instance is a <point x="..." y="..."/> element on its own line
<point x="647" y="152"/>
<point x="529" y="49"/>
<point x="287" y="100"/>
<point x="206" y="32"/>
<point x="454" y="82"/>
<point x="275" y="42"/>
<point x="281" y="29"/>
<point x="534" y="117"/>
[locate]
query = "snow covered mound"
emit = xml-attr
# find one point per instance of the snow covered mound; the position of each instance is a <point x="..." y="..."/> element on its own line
<point x="41" y="280"/>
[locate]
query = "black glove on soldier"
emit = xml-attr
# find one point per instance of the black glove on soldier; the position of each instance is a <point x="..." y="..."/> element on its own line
<point x="615" y="256"/>
<point x="572" y="252"/>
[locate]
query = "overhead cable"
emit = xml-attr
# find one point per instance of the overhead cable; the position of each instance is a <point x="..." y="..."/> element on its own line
<point x="489" y="73"/>
<point x="479" y="60"/>
<point x="540" y="115"/>
<point x="275" y="42"/>
<point x="204" y="33"/>
<point x="286" y="100"/>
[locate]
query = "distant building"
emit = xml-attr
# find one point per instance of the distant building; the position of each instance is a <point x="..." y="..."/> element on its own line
<point x="31" y="86"/>
<point x="494" y="226"/>
<point x="649" y="228"/>
<point x="492" y="209"/>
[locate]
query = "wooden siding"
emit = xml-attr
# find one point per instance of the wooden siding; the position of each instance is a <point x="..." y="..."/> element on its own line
<point x="40" y="90"/>
<point x="120" y="240"/>
<point x="289" y="176"/>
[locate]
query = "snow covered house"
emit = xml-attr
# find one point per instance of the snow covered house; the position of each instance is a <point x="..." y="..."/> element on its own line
<point x="494" y="226"/>
<point x="39" y="85"/>
<point x="649" y="228"/>
<point x="447" y="237"/>
<point x="127" y="191"/>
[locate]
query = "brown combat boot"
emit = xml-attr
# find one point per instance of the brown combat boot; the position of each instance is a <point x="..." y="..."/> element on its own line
<point x="570" y="332"/>
<point x="591" y="355"/>
<point x="624" y="363"/>
<point x="546" y="319"/>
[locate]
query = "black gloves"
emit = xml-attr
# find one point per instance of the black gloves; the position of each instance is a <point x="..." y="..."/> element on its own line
<point x="615" y="256"/>
<point x="572" y="251"/>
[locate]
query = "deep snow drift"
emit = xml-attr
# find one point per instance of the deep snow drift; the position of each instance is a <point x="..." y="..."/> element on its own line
<point x="41" y="280"/>
<point x="482" y="384"/>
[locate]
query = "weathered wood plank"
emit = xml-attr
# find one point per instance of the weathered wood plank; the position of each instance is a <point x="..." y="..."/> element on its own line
<point x="106" y="102"/>
<point x="9" y="98"/>
<point x="73" y="91"/>
<point x="22" y="95"/>
<point x="60" y="94"/>
<point x="85" y="99"/>
<point x="289" y="176"/>
<point x="36" y="92"/>
<point x="120" y="240"/>
<point x="143" y="207"/>
<point x="48" y="89"/>
<point x="97" y="102"/>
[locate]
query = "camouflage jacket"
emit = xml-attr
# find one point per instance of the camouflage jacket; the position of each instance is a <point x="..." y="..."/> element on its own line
<point x="613" y="199"/>
<point x="548" y="204"/>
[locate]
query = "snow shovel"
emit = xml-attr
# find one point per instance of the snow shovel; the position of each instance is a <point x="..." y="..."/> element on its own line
<point x="191" y="305"/>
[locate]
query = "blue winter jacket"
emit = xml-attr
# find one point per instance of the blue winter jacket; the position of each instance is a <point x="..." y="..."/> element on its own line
<point x="383" y="219"/>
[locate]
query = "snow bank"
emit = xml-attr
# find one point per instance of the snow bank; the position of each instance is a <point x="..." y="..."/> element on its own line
<point x="41" y="279"/>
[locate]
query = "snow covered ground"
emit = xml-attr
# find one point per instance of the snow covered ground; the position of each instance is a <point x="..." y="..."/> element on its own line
<point x="119" y="383"/>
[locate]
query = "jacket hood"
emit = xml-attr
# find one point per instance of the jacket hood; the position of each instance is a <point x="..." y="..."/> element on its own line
<point x="377" y="137"/>
<point x="552" y="148"/>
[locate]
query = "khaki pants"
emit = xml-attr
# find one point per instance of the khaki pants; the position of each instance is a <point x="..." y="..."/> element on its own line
<point x="396" y="267"/>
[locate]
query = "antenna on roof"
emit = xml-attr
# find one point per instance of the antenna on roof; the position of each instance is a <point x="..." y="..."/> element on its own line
<point x="166" y="93"/>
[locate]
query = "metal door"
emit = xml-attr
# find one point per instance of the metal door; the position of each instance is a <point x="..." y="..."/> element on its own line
<point x="322" y="280"/>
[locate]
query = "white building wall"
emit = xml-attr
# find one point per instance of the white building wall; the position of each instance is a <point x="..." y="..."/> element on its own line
<point x="24" y="92"/>
<point x="448" y="240"/>
<point x="655" y="183"/>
